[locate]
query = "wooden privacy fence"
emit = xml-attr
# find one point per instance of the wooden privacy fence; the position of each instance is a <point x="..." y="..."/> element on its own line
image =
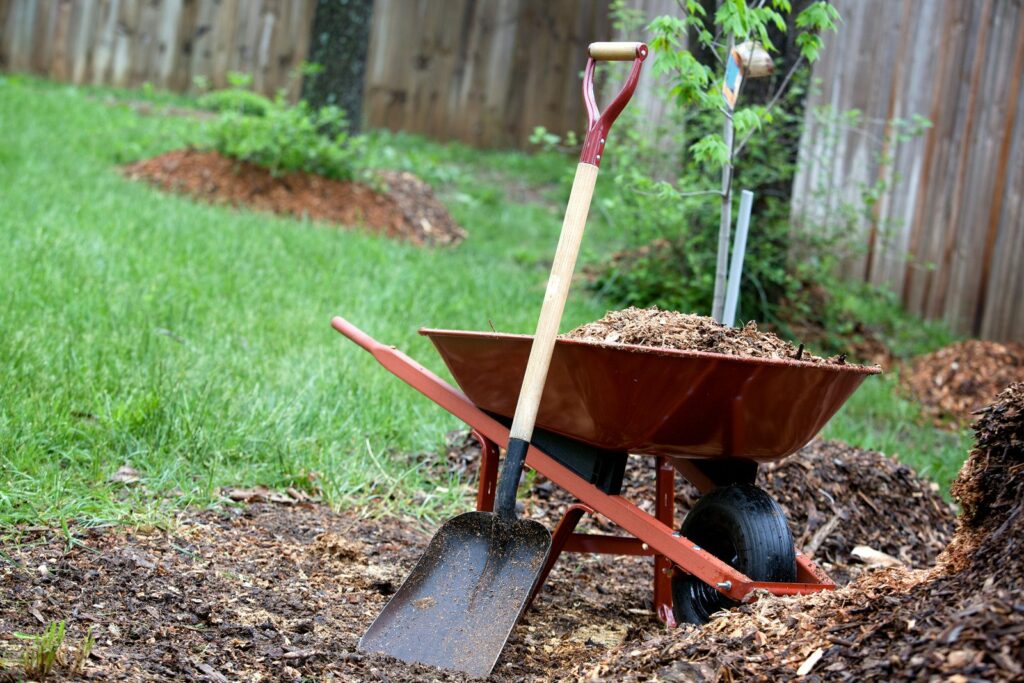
<point x="485" y="73"/>
<point x="163" y="42"/>
<point x="947" y="233"/>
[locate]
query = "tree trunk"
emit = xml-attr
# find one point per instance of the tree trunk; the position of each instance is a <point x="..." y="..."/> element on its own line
<point x="340" y="40"/>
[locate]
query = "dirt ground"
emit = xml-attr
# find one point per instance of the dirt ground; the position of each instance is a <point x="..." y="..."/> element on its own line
<point x="406" y="209"/>
<point x="283" y="592"/>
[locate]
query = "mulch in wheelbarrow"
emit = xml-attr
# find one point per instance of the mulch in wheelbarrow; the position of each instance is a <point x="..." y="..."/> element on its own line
<point x="405" y="209"/>
<point x="279" y="592"/>
<point x="653" y="327"/>
<point x="954" y="382"/>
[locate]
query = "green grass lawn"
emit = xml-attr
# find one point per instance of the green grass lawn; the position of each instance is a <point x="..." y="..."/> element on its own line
<point x="193" y="343"/>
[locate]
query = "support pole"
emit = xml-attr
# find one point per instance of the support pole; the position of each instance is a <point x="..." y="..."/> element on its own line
<point x="739" y="249"/>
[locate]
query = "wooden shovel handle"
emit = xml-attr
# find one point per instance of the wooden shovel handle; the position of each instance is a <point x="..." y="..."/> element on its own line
<point x="554" y="301"/>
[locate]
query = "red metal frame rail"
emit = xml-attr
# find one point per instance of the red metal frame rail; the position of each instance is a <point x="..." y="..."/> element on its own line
<point x="650" y="534"/>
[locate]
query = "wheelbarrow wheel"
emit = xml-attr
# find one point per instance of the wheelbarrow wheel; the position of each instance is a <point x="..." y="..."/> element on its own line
<point x="744" y="527"/>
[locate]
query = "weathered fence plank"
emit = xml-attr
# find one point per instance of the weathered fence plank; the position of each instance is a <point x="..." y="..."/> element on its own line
<point x="485" y="73"/>
<point x="163" y="42"/>
<point x="946" y="232"/>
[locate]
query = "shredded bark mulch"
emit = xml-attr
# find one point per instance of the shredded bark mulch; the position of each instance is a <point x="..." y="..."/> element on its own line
<point x="281" y="592"/>
<point x="668" y="329"/>
<point x="408" y="210"/>
<point x="956" y="381"/>
<point x="961" y="621"/>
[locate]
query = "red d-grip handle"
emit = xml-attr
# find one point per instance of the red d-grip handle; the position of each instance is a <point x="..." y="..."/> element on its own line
<point x="599" y="123"/>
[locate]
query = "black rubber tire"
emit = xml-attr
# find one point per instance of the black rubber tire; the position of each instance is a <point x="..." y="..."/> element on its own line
<point x="743" y="526"/>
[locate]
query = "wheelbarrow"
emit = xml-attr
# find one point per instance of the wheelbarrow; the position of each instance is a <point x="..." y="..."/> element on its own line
<point x="709" y="417"/>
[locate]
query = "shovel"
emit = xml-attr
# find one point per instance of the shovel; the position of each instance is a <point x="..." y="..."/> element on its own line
<point x="458" y="606"/>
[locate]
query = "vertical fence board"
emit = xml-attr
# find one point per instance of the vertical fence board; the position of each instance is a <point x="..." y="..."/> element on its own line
<point x="947" y="233"/>
<point x="164" y="42"/>
<point x="486" y="73"/>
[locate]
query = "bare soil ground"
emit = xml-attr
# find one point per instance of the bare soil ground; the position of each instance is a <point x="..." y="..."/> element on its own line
<point x="407" y="209"/>
<point x="954" y="382"/>
<point x="283" y="592"/>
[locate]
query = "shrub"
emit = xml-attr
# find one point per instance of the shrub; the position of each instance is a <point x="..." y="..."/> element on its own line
<point x="288" y="138"/>
<point x="241" y="101"/>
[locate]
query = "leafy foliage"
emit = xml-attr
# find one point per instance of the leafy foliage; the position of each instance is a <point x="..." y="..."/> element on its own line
<point x="237" y="100"/>
<point x="43" y="651"/>
<point x="665" y="202"/>
<point x="289" y="138"/>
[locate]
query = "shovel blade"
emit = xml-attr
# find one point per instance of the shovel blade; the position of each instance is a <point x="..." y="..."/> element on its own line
<point x="458" y="606"/>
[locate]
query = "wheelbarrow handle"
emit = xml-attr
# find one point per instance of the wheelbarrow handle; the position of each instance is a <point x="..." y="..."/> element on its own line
<point x="599" y="123"/>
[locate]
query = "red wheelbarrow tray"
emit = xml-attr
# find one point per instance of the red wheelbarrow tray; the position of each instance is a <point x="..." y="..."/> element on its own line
<point x="656" y="401"/>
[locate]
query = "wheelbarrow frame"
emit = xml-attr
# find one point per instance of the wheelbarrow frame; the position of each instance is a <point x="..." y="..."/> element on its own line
<point x="650" y="535"/>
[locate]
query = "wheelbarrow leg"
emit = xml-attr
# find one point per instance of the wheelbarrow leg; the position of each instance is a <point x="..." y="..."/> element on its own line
<point x="488" y="475"/>
<point x="563" y="532"/>
<point x="665" y="491"/>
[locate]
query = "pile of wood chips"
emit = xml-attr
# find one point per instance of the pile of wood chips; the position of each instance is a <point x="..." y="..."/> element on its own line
<point x="961" y="621"/>
<point x="668" y="329"/>
<point x="426" y="218"/>
<point x="954" y="382"/>
<point x="407" y="210"/>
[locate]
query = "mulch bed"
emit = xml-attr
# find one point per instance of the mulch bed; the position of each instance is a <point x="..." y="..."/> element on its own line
<point x="280" y="592"/>
<point x="669" y="329"/>
<point x="407" y="210"/>
<point x="961" y="621"/>
<point x="954" y="382"/>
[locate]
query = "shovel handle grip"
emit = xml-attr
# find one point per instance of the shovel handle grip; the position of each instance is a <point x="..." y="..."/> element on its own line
<point x="598" y="122"/>
<point x="616" y="52"/>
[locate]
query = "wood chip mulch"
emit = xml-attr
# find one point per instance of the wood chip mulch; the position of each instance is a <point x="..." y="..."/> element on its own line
<point x="669" y="329"/>
<point x="406" y="210"/>
<point x="954" y="382"/>
<point x="282" y="592"/>
<point x="961" y="621"/>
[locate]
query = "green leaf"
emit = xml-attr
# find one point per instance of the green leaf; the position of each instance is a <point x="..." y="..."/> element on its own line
<point x="710" y="150"/>
<point x="747" y="119"/>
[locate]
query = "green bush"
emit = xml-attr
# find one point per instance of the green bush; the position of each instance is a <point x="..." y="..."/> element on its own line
<point x="289" y="138"/>
<point x="241" y="101"/>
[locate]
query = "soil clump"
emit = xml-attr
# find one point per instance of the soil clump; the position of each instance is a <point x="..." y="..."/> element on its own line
<point x="406" y="210"/>
<point x="958" y="380"/>
<point x="672" y="330"/>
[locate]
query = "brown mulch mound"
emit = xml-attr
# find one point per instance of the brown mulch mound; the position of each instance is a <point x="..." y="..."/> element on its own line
<point x="956" y="381"/>
<point x="669" y="329"/>
<point x="961" y="621"/>
<point x="280" y="592"/>
<point x="408" y="210"/>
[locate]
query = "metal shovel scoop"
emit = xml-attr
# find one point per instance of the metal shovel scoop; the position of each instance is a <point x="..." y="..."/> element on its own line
<point x="458" y="606"/>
